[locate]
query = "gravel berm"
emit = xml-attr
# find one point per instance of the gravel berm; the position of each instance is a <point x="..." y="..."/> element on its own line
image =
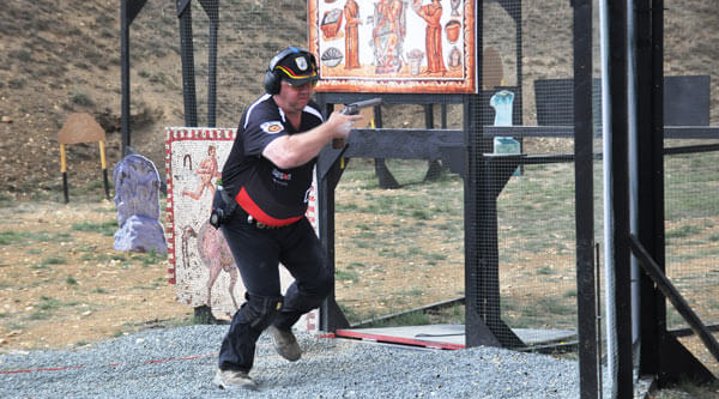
<point x="180" y="363"/>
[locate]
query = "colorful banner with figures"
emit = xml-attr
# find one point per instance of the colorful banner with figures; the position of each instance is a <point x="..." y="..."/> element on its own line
<point x="394" y="46"/>
<point x="203" y="270"/>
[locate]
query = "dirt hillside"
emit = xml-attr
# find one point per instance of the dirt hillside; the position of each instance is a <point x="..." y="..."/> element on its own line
<point x="62" y="57"/>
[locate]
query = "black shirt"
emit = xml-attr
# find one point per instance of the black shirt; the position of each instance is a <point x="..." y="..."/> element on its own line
<point x="272" y="195"/>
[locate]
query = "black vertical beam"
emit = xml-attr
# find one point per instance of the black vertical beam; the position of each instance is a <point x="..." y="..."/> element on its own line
<point x="443" y="116"/>
<point x="584" y="199"/>
<point x="476" y="331"/>
<point x="434" y="168"/>
<point x="128" y="11"/>
<point x="519" y="95"/>
<point x="125" y="72"/>
<point x="482" y="323"/>
<point x="617" y="71"/>
<point x="650" y="224"/>
<point x="329" y="172"/>
<point x="65" y="190"/>
<point x="211" y="7"/>
<point x="331" y="316"/>
<point x="661" y="355"/>
<point x="184" y="13"/>
<point x="386" y="180"/>
<point x="475" y="328"/>
<point x="429" y="116"/>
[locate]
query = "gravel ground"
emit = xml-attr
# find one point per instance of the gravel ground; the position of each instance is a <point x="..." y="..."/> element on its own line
<point x="180" y="363"/>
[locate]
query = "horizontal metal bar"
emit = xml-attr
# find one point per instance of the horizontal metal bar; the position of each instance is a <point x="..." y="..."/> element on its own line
<point x="402" y="143"/>
<point x="345" y="98"/>
<point x="691" y="149"/>
<point x="670" y="132"/>
<point x="691" y="132"/>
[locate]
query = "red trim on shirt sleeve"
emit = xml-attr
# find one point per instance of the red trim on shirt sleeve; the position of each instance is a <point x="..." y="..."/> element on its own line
<point x="251" y="207"/>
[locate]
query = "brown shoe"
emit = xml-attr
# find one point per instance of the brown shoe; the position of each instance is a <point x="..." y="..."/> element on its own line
<point x="234" y="379"/>
<point x="285" y="343"/>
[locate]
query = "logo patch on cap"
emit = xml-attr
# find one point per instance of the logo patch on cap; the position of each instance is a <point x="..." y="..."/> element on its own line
<point x="301" y="63"/>
<point x="272" y="127"/>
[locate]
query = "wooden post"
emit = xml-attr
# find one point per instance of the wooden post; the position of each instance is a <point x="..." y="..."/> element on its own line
<point x="63" y="170"/>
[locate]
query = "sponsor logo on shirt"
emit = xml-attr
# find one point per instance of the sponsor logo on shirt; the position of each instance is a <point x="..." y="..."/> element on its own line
<point x="272" y="127"/>
<point x="281" y="178"/>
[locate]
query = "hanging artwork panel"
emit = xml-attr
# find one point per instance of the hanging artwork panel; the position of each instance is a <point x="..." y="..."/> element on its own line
<point x="394" y="46"/>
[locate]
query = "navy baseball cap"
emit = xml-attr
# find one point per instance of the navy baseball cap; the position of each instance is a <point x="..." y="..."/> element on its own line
<point x="298" y="68"/>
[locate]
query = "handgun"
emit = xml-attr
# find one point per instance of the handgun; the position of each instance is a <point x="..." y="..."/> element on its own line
<point x="354" y="109"/>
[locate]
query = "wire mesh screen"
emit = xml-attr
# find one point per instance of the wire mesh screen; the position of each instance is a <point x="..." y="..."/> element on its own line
<point x="401" y="249"/>
<point x="247" y="38"/>
<point x="535" y="207"/>
<point x="692" y="178"/>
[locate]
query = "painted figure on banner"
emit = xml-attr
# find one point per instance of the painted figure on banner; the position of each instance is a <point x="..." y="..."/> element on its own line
<point x="215" y="255"/>
<point x="432" y="13"/>
<point x="206" y="170"/>
<point x="352" y="19"/>
<point x="388" y="35"/>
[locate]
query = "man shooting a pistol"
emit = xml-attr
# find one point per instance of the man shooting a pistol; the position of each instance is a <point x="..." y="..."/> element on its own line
<point x="267" y="176"/>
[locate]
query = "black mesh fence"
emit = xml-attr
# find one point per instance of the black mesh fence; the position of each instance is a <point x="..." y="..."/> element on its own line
<point x="691" y="178"/>
<point x="533" y="206"/>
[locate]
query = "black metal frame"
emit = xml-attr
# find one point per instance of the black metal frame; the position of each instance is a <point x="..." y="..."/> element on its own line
<point x="403" y="143"/>
<point x="661" y="355"/>
<point x="484" y="179"/>
<point x="618" y="83"/>
<point x="128" y="11"/>
<point x="187" y="54"/>
<point x="587" y="299"/>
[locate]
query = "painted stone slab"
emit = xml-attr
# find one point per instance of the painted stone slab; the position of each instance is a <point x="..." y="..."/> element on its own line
<point x="202" y="268"/>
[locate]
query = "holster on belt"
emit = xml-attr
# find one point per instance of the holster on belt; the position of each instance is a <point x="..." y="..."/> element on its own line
<point x="223" y="207"/>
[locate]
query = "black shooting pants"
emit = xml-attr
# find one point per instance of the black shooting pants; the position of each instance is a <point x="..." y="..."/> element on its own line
<point x="258" y="252"/>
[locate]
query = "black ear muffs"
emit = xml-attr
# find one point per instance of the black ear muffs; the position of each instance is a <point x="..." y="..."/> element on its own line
<point x="272" y="82"/>
<point x="272" y="79"/>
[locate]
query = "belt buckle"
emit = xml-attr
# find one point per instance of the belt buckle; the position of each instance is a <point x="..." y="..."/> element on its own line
<point x="259" y="224"/>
